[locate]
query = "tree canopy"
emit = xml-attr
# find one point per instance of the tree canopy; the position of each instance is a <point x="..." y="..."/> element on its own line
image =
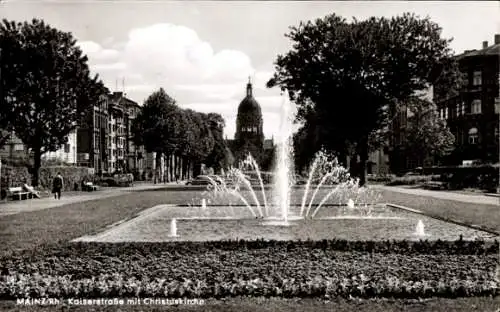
<point x="46" y="84"/>
<point x="347" y="77"/>
<point x="426" y="134"/>
<point x="165" y="128"/>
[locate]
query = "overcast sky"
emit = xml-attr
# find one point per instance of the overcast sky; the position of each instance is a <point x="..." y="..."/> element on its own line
<point x="203" y="52"/>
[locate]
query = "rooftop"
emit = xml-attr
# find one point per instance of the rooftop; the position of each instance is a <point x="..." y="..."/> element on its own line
<point x="486" y="50"/>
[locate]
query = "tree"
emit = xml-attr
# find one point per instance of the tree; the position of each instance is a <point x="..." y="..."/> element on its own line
<point x="220" y="156"/>
<point x="47" y="86"/>
<point x="427" y="135"/>
<point x="349" y="73"/>
<point x="156" y="127"/>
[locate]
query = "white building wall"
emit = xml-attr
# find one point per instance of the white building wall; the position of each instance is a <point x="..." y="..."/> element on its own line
<point x="66" y="153"/>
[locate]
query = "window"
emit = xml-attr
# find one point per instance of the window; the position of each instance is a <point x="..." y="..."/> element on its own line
<point x="497" y="133"/>
<point x="458" y="109"/>
<point x="446" y="113"/>
<point x="18" y="147"/>
<point x="66" y="148"/>
<point x="465" y="79"/>
<point x="477" y="78"/>
<point x="463" y="108"/>
<point x="497" y="105"/>
<point x="476" y="107"/>
<point x="473" y="136"/>
<point x="255" y="129"/>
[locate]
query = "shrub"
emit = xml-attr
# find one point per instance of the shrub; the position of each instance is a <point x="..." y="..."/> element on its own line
<point x="482" y="177"/>
<point x="380" y="178"/>
<point x="13" y="176"/>
<point x="70" y="174"/>
<point x="413" y="180"/>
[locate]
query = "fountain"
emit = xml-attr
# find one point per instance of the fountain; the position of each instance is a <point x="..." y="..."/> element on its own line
<point x="420" y="229"/>
<point x="279" y="214"/>
<point x="173" y="228"/>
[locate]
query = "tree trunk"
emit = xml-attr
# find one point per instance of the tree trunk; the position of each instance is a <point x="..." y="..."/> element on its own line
<point x="172" y="167"/>
<point x="184" y="168"/>
<point x="37" y="163"/>
<point x="363" y="155"/>
<point x="158" y="168"/>
<point x="176" y="167"/>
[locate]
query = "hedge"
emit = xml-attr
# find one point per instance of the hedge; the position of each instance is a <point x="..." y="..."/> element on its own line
<point x="70" y="174"/>
<point x="13" y="176"/>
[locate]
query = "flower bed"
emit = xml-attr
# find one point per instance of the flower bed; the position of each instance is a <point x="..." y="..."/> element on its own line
<point x="259" y="268"/>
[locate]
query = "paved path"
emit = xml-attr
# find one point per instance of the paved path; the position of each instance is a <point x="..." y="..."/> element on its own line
<point x="14" y="207"/>
<point x="465" y="198"/>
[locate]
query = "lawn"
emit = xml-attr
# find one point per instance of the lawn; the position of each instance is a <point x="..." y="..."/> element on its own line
<point x="60" y="224"/>
<point x="486" y="216"/>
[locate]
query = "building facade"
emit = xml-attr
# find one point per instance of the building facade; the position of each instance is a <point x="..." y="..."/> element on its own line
<point x="105" y="137"/>
<point x="67" y="153"/>
<point x="14" y="151"/>
<point x="473" y="114"/>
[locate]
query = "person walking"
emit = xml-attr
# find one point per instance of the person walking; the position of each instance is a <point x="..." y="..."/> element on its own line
<point x="57" y="186"/>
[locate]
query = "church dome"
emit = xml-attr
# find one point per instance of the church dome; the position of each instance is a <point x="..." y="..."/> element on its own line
<point x="249" y="105"/>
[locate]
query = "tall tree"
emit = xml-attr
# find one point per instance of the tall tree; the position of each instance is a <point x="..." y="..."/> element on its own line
<point x="347" y="73"/>
<point x="156" y="126"/>
<point x="5" y="121"/>
<point x="220" y="156"/>
<point x="426" y="135"/>
<point x="47" y="85"/>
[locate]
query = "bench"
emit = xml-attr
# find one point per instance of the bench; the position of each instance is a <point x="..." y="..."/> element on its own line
<point x="434" y="185"/>
<point x="19" y="193"/>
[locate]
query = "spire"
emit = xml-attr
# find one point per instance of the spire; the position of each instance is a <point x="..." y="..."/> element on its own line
<point x="249" y="87"/>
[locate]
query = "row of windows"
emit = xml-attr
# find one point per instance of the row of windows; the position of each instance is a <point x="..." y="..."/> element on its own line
<point x="461" y="109"/>
<point x="478" y="79"/>
<point x="249" y="129"/>
<point x="473" y="135"/>
<point x="116" y="153"/>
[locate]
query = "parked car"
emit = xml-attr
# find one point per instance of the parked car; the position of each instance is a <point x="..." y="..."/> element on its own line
<point x="203" y="180"/>
<point x="299" y="180"/>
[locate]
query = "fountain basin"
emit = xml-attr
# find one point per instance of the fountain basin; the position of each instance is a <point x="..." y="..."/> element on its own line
<point x="230" y="223"/>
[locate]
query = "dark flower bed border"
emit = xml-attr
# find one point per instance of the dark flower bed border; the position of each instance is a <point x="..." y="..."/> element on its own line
<point x="325" y="269"/>
<point x="406" y="247"/>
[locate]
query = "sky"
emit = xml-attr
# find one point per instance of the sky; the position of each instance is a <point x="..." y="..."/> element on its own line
<point x="202" y="52"/>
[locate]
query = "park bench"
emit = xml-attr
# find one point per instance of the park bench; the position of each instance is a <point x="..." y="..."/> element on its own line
<point x="18" y="193"/>
<point x="434" y="185"/>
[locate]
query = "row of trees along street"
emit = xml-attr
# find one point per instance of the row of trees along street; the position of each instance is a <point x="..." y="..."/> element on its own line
<point x="185" y="137"/>
<point x="350" y="79"/>
<point x="47" y="89"/>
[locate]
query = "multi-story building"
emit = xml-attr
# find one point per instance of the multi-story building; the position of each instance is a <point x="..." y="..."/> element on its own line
<point x="14" y="151"/>
<point x="91" y="137"/>
<point x="473" y="114"/>
<point x="105" y="138"/>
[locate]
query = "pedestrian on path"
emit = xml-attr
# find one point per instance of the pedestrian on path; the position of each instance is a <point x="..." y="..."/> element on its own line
<point x="57" y="186"/>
